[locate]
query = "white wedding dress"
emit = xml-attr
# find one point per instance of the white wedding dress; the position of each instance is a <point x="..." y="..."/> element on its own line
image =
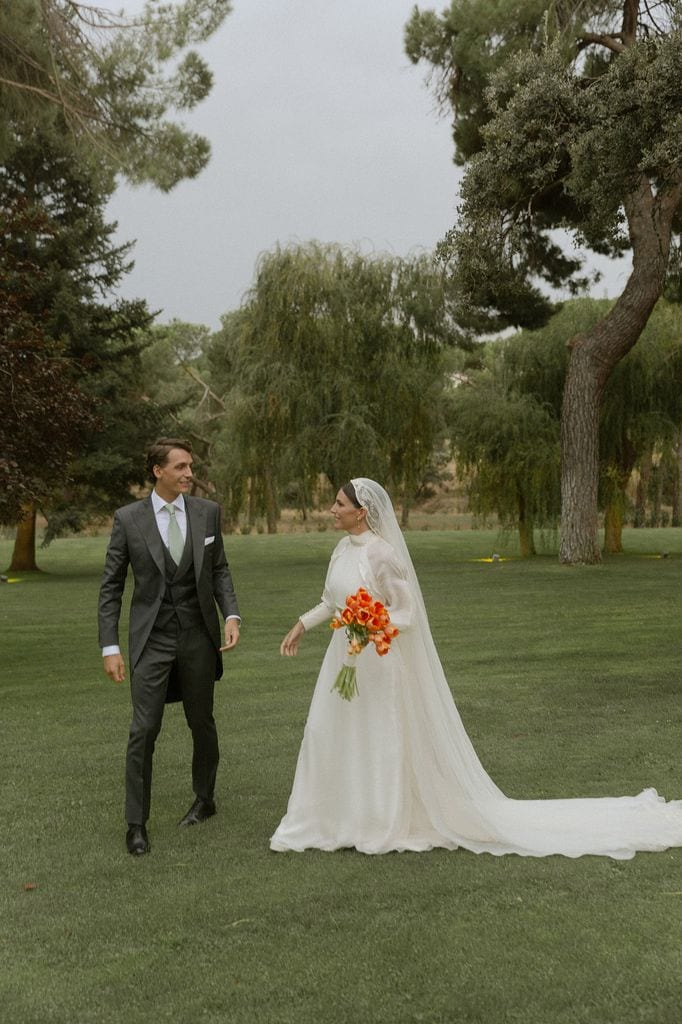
<point x="393" y="769"/>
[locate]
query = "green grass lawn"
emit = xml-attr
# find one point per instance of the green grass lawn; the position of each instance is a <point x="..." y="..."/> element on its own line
<point x="569" y="683"/>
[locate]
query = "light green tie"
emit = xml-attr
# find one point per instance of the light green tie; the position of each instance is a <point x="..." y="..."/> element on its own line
<point x="176" y="544"/>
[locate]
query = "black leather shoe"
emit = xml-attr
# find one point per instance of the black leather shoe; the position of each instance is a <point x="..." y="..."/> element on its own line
<point x="199" y="811"/>
<point x="137" y="840"/>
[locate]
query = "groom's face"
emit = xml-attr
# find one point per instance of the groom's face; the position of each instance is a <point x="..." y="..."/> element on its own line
<point x="175" y="476"/>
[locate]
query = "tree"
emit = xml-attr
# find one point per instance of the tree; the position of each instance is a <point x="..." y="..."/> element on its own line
<point x="569" y="116"/>
<point x="333" y="366"/>
<point x="505" y="419"/>
<point x="45" y="413"/>
<point x="509" y="444"/>
<point x="60" y="266"/>
<point x="176" y="370"/>
<point x="111" y="83"/>
<point x="641" y="414"/>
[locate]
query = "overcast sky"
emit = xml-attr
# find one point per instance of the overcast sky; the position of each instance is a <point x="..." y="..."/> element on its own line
<point x="320" y="129"/>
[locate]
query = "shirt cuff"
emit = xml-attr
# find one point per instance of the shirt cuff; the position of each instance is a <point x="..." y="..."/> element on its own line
<point x="237" y="617"/>
<point x="112" y="649"/>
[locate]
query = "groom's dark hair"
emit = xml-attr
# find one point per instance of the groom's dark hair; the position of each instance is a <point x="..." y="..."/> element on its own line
<point x="349" y="491"/>
<point x="157" y="453"/>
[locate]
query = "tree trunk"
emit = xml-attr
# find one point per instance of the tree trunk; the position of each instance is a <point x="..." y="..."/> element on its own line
<point x="645" y="466"/>
<point x="613" y="527"/>
<point x="405" y="512"/>
<point x="656" y="494"/>
<point x="676" y="519"/>
<point x="579" y="462"/>
<point x="251" y="514"/>
<point x="525" y="527"/>
<point x="271" y="514"/>
<point x="24" y="554"/>
<point x="617" y="478"/>
<point x="593" y="357"/>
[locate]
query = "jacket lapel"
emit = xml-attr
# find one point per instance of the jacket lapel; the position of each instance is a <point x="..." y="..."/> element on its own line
<point x="197" y="524"/>
<point x="146" y="522"/>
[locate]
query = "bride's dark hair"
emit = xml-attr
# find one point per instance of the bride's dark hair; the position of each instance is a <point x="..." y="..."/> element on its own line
<point x="349" y="491"/>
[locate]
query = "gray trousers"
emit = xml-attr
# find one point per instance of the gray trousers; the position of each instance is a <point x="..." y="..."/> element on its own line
<point x="190" y="654"/>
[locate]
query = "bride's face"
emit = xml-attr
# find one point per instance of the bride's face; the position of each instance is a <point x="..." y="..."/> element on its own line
<point x="346" y="515"/>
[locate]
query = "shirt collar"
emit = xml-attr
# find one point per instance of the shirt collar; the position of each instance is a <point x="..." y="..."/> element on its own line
<point x="158" y="502"/>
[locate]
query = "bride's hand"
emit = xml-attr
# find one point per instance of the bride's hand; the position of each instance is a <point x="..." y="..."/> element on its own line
<point x="289" y="645"/>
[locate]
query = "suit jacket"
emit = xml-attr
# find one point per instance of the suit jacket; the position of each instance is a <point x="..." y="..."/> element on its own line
<point x="136" y="542"/>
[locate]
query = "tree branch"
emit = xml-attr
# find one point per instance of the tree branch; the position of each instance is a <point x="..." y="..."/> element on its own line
<point x="202" y="383"/>
<point x="629" y="31"/>
<point x="613" y="43"/>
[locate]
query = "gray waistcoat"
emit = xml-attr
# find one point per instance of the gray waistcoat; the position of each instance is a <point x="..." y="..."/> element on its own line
<point x="180" y="599"/>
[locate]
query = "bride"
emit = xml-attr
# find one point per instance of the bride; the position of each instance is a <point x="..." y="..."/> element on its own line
<point x="393" y="768"/>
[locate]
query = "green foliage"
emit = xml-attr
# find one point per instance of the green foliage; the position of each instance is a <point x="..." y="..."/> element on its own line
<point x="44" y="412"/>
<point x="334" y="366"/>
<point x="504" y="431"/>
<point x="505" y="412"/>
<point x="554" y="136"/>
<point x="464" y="46"/>
<point x="65" y="267"/>
<point x="642" y="410"/>
<point x="114" y="83"/>
<point x="574" y="126"/>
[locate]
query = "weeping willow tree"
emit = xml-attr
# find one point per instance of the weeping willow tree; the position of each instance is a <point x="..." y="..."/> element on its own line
<point x="505" y="436"/>
<point x="506" y="420"/>
<point x="641" y="415"/>
<point x="334" y="366"/>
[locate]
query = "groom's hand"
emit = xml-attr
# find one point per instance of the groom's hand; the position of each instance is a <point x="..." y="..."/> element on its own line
<point x="231" y="634"/>
<point x="115" y="668"/>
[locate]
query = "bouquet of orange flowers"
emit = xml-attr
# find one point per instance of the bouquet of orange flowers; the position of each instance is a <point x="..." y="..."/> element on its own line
<point x="366" y="621"/>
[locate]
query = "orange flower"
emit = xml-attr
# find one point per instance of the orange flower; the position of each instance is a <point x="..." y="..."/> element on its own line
<point x="366" y="621"/>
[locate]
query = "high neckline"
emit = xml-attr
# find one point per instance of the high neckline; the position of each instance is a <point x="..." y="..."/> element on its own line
<point x="361" y="538"/>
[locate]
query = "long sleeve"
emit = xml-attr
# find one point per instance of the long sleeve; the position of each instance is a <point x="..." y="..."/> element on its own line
<point x="113" y="582"/>
<point x="393" y="588"/>
<point x="326" y="609"/>
<point x="223" y="587"/>
<point x="322" y="612"/>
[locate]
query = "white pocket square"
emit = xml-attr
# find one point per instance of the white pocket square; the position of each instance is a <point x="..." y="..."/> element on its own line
<point x="209" y="540"/>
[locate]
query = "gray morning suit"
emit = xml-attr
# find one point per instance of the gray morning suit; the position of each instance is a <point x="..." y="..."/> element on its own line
<point x="174" y="635"/>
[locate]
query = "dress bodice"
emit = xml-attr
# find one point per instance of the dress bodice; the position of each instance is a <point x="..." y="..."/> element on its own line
<point x="345" y="572"/>
<point x="363" y="560"/>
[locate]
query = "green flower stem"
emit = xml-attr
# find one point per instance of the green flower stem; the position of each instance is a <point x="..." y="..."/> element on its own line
<point x="346" y="684"/>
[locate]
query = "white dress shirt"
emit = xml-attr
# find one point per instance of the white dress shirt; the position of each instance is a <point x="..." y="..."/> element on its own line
<point x="163" y="515"/>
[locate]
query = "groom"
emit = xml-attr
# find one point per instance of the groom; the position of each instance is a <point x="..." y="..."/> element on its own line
<point x="172" y="542"/>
